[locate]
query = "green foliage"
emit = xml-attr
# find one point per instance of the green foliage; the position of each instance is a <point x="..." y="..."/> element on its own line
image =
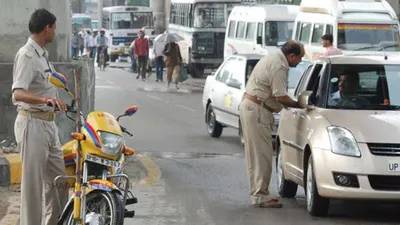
<point x="137" y="2"/>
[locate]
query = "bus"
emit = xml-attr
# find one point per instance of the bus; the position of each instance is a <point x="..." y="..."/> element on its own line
<point x="367" y="25"/>
<point x="259" y="28"/>
<point x="202" y="25"/>
<point x="122" y="24"/>
<point x="81" y="21"/>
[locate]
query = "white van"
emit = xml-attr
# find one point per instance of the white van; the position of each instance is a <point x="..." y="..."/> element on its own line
<point x="258" y="28"/>
<point x="356" y="25"/>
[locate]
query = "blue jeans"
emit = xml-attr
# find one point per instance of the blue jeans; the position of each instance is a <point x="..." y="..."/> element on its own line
<point x="75" y="52"/>
<point x="159" y="67"/>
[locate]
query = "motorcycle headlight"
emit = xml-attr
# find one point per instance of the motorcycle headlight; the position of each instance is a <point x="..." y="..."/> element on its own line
<point x="343" y="142"/>
<point x="111" y="143"/>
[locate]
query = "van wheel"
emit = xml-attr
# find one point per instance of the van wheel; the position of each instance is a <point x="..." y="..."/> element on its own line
<point x="214" y="128"/>
<point x="286" y="188"/>
<point x="316" y="205"/>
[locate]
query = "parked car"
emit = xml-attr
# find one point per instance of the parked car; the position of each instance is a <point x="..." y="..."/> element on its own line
<point x="224" y="89"/>
<point x="348" y="146"/>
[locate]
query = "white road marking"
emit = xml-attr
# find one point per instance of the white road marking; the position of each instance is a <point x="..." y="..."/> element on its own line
<point x="154" y="97"/>
<point x="110" y="82"/>
<point x="187" y="108"/>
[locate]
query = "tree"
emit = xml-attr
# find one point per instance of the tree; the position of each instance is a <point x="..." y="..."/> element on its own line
<point x="137" y="2"/>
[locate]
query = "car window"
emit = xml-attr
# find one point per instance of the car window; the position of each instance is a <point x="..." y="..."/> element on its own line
<point x="364" y="87"/>
<point x="238" y="71"/>
<point x="225" y="72"/>
<point x="249" y="67"/>
<point x="303" y="80"/>
<point x="296" y="73"/>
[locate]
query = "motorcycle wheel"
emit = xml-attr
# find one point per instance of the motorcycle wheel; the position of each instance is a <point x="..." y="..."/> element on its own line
<point x="102" y="208"/>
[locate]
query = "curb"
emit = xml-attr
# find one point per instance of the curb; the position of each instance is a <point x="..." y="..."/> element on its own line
<point x="10" y="169"/>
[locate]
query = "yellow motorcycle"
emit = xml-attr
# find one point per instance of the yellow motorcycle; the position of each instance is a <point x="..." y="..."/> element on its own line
<point x="94" y="159"/>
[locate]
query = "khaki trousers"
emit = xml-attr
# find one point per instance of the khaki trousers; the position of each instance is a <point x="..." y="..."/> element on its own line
<point x="42" y="161"/>
<point x="257" y="124"/>
<point x="173" y="71"/>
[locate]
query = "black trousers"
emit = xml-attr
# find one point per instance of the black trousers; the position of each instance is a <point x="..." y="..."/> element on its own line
<point x="142" y="66"/>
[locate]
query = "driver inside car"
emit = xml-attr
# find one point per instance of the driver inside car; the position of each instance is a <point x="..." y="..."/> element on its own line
<point x="348" y="86"/>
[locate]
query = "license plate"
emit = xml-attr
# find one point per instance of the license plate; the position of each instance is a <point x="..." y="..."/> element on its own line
<point x="394" y="166"/>
<point x="102" y="161"/>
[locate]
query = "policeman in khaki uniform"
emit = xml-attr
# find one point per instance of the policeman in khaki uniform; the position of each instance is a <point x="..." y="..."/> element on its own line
<point x="266" y="94"/>
<point x="35" y="130"/>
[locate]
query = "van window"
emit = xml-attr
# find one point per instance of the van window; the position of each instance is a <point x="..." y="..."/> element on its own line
<point x="298" y="29"/>
<point x="250" y="31"/>
<point x="305" y="32"/>
<point x="240" y="29"/>
<point x="317" y="33"/>
<point x="329" y="29"/>
<point x="277" y="32"/>
<point x="231" y="32"/>
<point x="260" y="30"/>
<point x="369" y="37"/>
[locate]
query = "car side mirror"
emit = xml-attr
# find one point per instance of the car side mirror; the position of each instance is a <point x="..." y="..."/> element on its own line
<point x="304" y="97"/>
<point x="259" y="40"/>
<point x="233" y="83"/>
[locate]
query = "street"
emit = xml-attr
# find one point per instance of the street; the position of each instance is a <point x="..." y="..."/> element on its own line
<point x="191" y="177"/>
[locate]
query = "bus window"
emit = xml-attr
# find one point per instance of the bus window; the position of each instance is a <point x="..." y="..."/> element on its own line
<point x="131" y="20"/>
<point x="212" y="14"/>
<point x="79" y="22"/>
<point x="329" y="29"/>
<point x="277" y="32"/>
<point x="240" y="31"/>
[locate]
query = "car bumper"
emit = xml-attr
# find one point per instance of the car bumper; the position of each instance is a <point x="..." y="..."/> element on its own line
<point x="371" y="172"/>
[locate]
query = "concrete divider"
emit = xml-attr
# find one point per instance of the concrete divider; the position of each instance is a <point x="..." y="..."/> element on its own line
<point x="10" y="164"/>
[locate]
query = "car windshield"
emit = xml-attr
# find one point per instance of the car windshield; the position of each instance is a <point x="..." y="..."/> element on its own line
<point x="296" y="73"/>
<point x="278" y="32"/>
<point x="364" y="87"/>
<point x="213" y="15"/>
<point x="131" y="20"/>
<point x="368" y="37"/>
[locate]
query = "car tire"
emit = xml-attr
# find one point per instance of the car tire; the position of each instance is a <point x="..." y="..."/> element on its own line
<point x="316" y="205"/>
<point x="214" y="128"/>
<point x="286" y="188"/>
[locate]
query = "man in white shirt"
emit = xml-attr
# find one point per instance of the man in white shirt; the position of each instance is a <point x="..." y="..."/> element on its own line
<point x="348" y="85"/>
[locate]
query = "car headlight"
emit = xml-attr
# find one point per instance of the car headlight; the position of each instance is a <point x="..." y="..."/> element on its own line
<point x="343" y="142"/>
<point x="111" y="143"/>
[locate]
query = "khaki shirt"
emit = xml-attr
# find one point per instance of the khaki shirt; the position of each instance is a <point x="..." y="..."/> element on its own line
<point x="31" y="73"/>
<point x="269" y="79"/>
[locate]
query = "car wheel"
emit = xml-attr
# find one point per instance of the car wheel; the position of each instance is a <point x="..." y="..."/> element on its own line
<point x="241" y="134"/>
<point x="286" y="188"/>
<point x="214" y="128"/>
<point x="316" y="205"/>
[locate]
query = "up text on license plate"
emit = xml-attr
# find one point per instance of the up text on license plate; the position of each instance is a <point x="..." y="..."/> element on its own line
<point x="394" y="166"/>
<point x="102" y="161"/>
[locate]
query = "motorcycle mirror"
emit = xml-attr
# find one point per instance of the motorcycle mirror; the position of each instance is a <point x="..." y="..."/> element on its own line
<point x="131" y="110"/>
<point x="59" y="80"/>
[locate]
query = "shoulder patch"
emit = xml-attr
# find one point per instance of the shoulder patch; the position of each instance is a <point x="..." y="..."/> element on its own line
<point x="29" y="54"/>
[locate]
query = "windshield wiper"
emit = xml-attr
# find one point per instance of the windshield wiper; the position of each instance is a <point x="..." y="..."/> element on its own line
<point x="366" y="47"/>
<point x="388" y="46"/>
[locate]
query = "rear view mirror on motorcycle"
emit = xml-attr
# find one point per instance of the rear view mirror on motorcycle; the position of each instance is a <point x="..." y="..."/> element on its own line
<point x="129" y="111"/>
<point x="59" y="80"/>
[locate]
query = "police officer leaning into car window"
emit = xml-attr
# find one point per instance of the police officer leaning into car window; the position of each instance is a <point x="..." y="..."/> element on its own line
<point x="35" y="131"/>
<point x="266" y="94"/>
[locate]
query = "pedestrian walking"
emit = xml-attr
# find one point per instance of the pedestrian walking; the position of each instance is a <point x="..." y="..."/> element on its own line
<point x="35" y="131"/>
<point x="173" y="61"/>
<point x="141" y="49"/>
<point x="75" y="44"/>
<point x="265" y="94"/>
<point x="159" y="56"/>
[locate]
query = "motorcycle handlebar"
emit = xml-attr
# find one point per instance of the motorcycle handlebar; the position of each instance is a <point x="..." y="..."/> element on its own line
<point x="126" y="131"/>
<point x="69" y="108"/>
